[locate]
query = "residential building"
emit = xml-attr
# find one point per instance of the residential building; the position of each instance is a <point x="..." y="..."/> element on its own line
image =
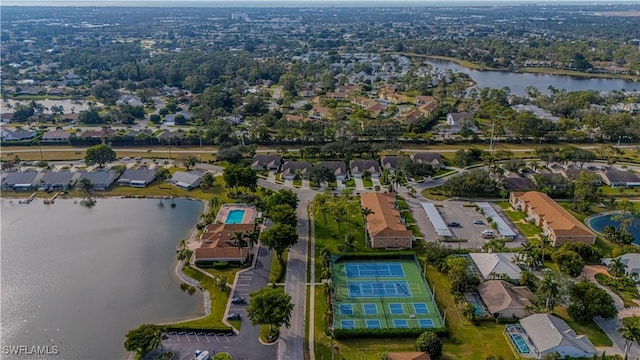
<point x="556" y="223"/>
<point x="412" y="355"/>
<point x="21" y="180"/>
<point x="391" y="163"/>
<point x="549" y="334"/>
<point x="56" y="136"/>
<point x="319" y="112"/>
<point x="515" y="182"/>
<point x="338" y="167"/>
<point x="292" y="168"/>
<point x="358" y="167"/>
<point x="186" y="180"/>
<point x="266" y="162"/>
<point x="631" y="262"/>
<point x="457" y="121"/>
<point x="411" y="117"/>
<point x="385" y="227"/>
<point x="170" y="118"/>
<point x="619" y="178"/>
<point x="139" y="177"/>
<point x="218" y="243"/>
<point x="505" y="300"/>
<point x="430" y="158"/>
<point x="422" y="100"/>
<point x="18" y="135"/>
<point x="100" y="179"/>
<point x="494" y="265"/>
<point x="58" y="180"/>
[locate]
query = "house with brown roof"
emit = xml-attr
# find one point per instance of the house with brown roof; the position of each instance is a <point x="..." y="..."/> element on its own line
<point x="556" y="222"/>
<point x="411" y="117"/>
<point x="385" y="227"/>
<point x="218" y="243"/>
<point x="56" y="136"/>
<point x="505" y="300"/>
<point x="421" y="100"/>
<point x="319" y="112"/>
<point x="409" y="355"/>
<point x="427" y="109"/>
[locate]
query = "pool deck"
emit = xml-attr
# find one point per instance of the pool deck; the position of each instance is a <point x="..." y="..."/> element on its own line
<point x="250" y="213"/>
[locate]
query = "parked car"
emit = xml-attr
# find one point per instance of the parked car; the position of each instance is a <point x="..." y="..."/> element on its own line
<point x="238" y="300"/>
<point x="233" y="316"/>
<point x="487" y="233"/>
<point x="138" y="158"/>
<point x="126" y="158"/>
<point x="454" y="224"/>
<point x="478" y="222"/>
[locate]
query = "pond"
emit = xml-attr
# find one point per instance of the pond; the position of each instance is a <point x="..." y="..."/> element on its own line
<point x="80" y="278"/>
<point x="517" y="82"/>
<point x="598" y="223"/>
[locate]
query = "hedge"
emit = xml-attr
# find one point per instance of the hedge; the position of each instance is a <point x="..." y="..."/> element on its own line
<point x="374" y="256"/>
<point x="384" y="333"/>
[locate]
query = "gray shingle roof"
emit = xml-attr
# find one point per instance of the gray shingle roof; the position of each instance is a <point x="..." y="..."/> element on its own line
<point x="359" y="166"/>
<point x="338" y="167"/>
<point x="187" y="178"/>
<point x="20" y="177"/>
<point x="392" y="162"/>
<point x="57" y="178"/>
<point x="547" y="332"/>
<point x="99" y="177"/>
<point x="140" y="174"/>
<point x="290" y="167"/>
<point x="266" y="160"/>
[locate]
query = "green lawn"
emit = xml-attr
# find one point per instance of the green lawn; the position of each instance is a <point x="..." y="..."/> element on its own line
<point x="333" y="239"/>
<point x="367" y="183"/>
<point x="434" y="194"/>
<point x="229" y="273"/>
<point x="627" y="295"/>
<point x="277" y="273"/>
<point x="218" y="304"/>
<point x="528" y="229"/>
<point x="466" y="341"/>
<point x="297" y="182"/>
<point x="350" y="183"/>
<point x="590" y="330"/>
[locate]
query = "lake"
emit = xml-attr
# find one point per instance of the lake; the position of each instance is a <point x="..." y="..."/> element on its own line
<point x="517" y="82"/>
<point x="68" y="105"/>
<point x="80" y="278"/>
<point x="598" y="223"/>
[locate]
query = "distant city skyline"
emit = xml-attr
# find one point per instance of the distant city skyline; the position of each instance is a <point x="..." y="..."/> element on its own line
<point x="302" y="3"/>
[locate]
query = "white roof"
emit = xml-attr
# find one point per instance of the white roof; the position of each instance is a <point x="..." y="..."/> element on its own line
<point x="548" y="332"/>
<point x="503" y="228"/>
<point x="632" y="260"/>
<point x="499" y="263"/>
<point x="436" y="219"/>
<point x="185" y="178"/>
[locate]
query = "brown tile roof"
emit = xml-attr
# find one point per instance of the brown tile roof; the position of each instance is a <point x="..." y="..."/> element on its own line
<point x="385" y="220"/>
<point x="499" y="295"/>
<point x="558" y="219"/>
<point x="221" y="253"/>
<point x="408" y="356"/>
<point x="222" y="235"/>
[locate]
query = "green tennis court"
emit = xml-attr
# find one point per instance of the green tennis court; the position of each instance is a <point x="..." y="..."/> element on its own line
<point x="379" y="294"/>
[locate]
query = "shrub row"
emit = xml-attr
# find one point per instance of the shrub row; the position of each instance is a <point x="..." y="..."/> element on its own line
<point x="212" y="264"/>
<point x="409" y="255"/>
<point x="384" y="333"/>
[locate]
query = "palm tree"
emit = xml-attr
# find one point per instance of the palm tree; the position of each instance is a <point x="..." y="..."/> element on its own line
<point x="617" y="268"/>
<point x="630" y="333"/>
<point x="238" y="241"/>
<point x="325" y="255"/>
<point x="531" y="255"/>
<point x="215" y="203"/>
<point x="550" y="289"/>
<point x="320" y="206"/>
<point x="543" y="245"/>
<point x="365" y="213"/>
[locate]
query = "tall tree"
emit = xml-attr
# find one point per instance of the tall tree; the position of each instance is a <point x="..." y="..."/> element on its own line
<point x="143" y="339"/>
<point x="279" y="237"/>
<point x="550" y="289"/>
<point x="270" y="306"/>
<point x="99" y="154"/>
<point x="365" y="213"/>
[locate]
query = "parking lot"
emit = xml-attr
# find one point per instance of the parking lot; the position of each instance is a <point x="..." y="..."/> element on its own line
<point x="454" y="211"/>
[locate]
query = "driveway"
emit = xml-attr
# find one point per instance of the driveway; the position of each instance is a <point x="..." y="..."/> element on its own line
<point x="288" y="183"/>
<point x="359" y="184"/>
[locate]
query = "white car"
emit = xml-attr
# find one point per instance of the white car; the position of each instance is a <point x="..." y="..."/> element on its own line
<point x="126" y="158"/>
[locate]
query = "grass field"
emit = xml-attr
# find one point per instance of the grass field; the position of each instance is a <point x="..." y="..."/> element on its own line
<point x="529" y="230"/>
<point x="403" y="298"/>
<point x="590" y="330"/>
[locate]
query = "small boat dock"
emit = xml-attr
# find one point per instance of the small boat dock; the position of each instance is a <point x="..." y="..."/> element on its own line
<point x="27" y="200"/>
<point x="51" y="199"/>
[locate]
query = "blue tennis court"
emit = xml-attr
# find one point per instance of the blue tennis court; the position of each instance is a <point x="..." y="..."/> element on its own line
<point x="377" y="270"/>
<point x="425" y="323"/>
<point x="346" y="309"/>
<point x="396" y="309"/>
<point x="348" y="324"/>
<point x="370" y="309"/>
<point x="373" y="324"/>
<point x="420" y="308"/>
<point x="358" y="289"/>
<point x="400" y="323"/>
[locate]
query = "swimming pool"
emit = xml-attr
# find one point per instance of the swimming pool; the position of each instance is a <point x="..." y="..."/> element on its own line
<point x="235" y="216"/>
<point x="517" y="339"/>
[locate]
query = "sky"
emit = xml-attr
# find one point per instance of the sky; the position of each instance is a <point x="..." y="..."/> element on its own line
<point x="240" y="3"/>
